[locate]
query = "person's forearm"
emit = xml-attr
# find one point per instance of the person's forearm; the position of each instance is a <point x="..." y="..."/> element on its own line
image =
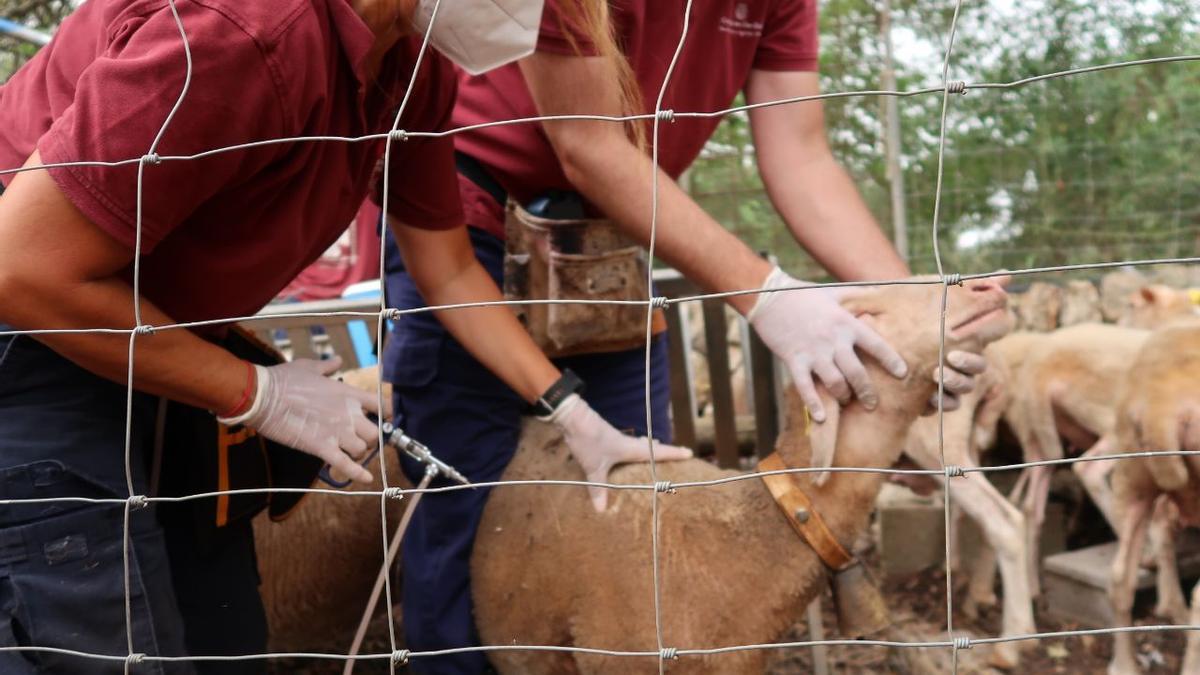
<point x="616" y="178"/>
<point x="492" y="334"/>
<point x="173" y="363"/>
<point x="827" y="216"/>
<point x="444" y="267"/>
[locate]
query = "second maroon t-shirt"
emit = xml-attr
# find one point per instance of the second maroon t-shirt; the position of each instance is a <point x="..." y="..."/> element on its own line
<point x="726" y="39"/>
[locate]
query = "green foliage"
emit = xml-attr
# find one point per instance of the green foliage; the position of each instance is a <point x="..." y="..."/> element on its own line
<point x="1087" y="168"/>
<point x="43" y="15"/>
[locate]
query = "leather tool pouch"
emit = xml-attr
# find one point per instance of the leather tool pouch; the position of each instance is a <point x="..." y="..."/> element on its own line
<point x="582" y="259"/>
<point x="201" y="455"/>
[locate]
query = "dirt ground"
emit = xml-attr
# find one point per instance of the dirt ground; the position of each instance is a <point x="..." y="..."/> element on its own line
<point x="918" y="606"/>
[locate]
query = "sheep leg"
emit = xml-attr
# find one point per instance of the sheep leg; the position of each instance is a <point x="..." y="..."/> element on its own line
<point x="1171" y="604"/>
<point x="956" y="520"/>
<point x="1033" y="508"/>
<point x="1095" y="475"/>
<point x="1003" y="526"/>
<point x="1191" y="657"/>
<point x="1017" y="494"/>
<point x="1131" y="538"/>
<point x="981" y="581"/>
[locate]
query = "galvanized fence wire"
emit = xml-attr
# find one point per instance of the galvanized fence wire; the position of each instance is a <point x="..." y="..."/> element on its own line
<point x="660" y="114"/>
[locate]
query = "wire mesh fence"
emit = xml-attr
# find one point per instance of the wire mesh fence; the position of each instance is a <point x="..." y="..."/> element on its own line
<point x="987" y="178"/>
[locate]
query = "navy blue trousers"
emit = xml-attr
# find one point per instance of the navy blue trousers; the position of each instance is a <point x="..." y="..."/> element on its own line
<point x="62" y="581"/>
<point x="470" y="419"/>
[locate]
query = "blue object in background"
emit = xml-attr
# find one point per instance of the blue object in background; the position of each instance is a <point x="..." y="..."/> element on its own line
<point x="21" y="32"/>
<point x="360" y="332"/>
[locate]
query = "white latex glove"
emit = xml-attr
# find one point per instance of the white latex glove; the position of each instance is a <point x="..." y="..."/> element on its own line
<point x="598" y="446"/>
<point x="814" y="335"/>
<point x="296" y="404"/>
<point x="960" y="369"/>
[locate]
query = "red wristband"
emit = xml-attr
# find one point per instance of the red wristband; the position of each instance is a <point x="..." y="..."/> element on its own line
<point x="244" y="402"/>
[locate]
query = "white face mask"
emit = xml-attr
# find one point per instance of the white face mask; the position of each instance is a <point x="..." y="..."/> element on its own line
<point x="480" y="35"/>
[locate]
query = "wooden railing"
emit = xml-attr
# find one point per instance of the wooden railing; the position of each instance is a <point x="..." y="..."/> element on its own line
<point x="295" y="337"/>
<point x="728" y="433"/>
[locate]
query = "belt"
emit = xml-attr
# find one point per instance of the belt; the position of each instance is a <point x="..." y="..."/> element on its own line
<point x="554" y="204"/>
<point x="473" y="170"/>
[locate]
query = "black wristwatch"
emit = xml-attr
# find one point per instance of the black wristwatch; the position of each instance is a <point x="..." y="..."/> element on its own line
<point x="569" y="383"/>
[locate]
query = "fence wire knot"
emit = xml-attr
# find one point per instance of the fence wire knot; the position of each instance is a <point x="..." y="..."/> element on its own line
<point x="398" y="135"/>
<point x="134" y="659"/>
<point x="952" y="279"/>
<point x="151" y="158"/>
<point x="144" y="330"/>
<point x="956" y="87"/>
<point x="394" y="493"/>
<point x="393" y="314"/>
<point x="660" y="302"/>
<point x="665" y="487"/>
<point x="963" y="642"/>
<point x="138" y="502"/>
<point x="665" y="115"/>
<point x="668" y="654"/>
<point x="400" y="657"/>
<point x="953" y="471"/>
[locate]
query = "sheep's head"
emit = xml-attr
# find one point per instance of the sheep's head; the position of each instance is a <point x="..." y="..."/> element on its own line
<point x="907" y="316"/>
<point x="1157" y="305"/>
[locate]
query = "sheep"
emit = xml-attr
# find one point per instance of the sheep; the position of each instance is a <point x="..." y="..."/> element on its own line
<point x="1040" y="307"/>
<point x="1066" y="387"/>
<point x="548" y="570"/>
<point x="966" y="432"/>
<point x="1158" y="408"/>
<point x="1156" y="305"/>
<point x="318" y="565"/>
<point x="1046" y="386"/>
<point x="1081" y="303"/>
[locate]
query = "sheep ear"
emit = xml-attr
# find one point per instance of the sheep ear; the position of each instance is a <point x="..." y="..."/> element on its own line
<point x="822" y="437"/>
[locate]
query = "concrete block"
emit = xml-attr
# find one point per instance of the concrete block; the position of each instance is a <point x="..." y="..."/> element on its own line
<point x="1076" y="582"/>
<point x="911" y="536"/>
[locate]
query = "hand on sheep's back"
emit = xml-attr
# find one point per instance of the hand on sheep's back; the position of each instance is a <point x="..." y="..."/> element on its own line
<point x="598" y="446"/>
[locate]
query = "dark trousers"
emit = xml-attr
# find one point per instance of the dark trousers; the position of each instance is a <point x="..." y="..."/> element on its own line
<point x="469" y="418"/>
<point x="62" y="580"/>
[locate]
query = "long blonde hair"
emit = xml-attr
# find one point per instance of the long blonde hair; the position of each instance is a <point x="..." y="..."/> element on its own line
<point x="593" y="19"/>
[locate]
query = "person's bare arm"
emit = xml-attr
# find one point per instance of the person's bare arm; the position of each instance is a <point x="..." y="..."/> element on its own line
<point x="615" y="176"/>
<point x="444" y="267"/>
<point x="808" y="187"/>
<point x="60" y="271"/>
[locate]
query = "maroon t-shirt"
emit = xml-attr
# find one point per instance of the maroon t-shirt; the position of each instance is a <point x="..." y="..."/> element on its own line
<point x="223" y="234"/>
<point x="354" y="257"/>
<point x="727" y="38"/>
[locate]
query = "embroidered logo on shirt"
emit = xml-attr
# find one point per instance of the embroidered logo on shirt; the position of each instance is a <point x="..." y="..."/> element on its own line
<point x="738" y="25"/>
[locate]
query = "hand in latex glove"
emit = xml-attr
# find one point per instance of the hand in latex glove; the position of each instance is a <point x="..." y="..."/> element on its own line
<point x="296" y="404"/>
<point x="814" y="335"/>
<point x="960" y="369"/>
<point x="598" y="447"/>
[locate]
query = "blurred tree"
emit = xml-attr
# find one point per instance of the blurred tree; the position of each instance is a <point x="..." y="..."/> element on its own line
<point x="44" y="15"/>
<point x="1086" y="168"/>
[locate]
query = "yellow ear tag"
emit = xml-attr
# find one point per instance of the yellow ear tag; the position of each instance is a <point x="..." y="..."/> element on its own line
<point x="807" y="422"/>
<point x="1194" y="295"/>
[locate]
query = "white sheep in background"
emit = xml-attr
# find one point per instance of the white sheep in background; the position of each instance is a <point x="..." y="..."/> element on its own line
<point x="1159" y="410"/>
